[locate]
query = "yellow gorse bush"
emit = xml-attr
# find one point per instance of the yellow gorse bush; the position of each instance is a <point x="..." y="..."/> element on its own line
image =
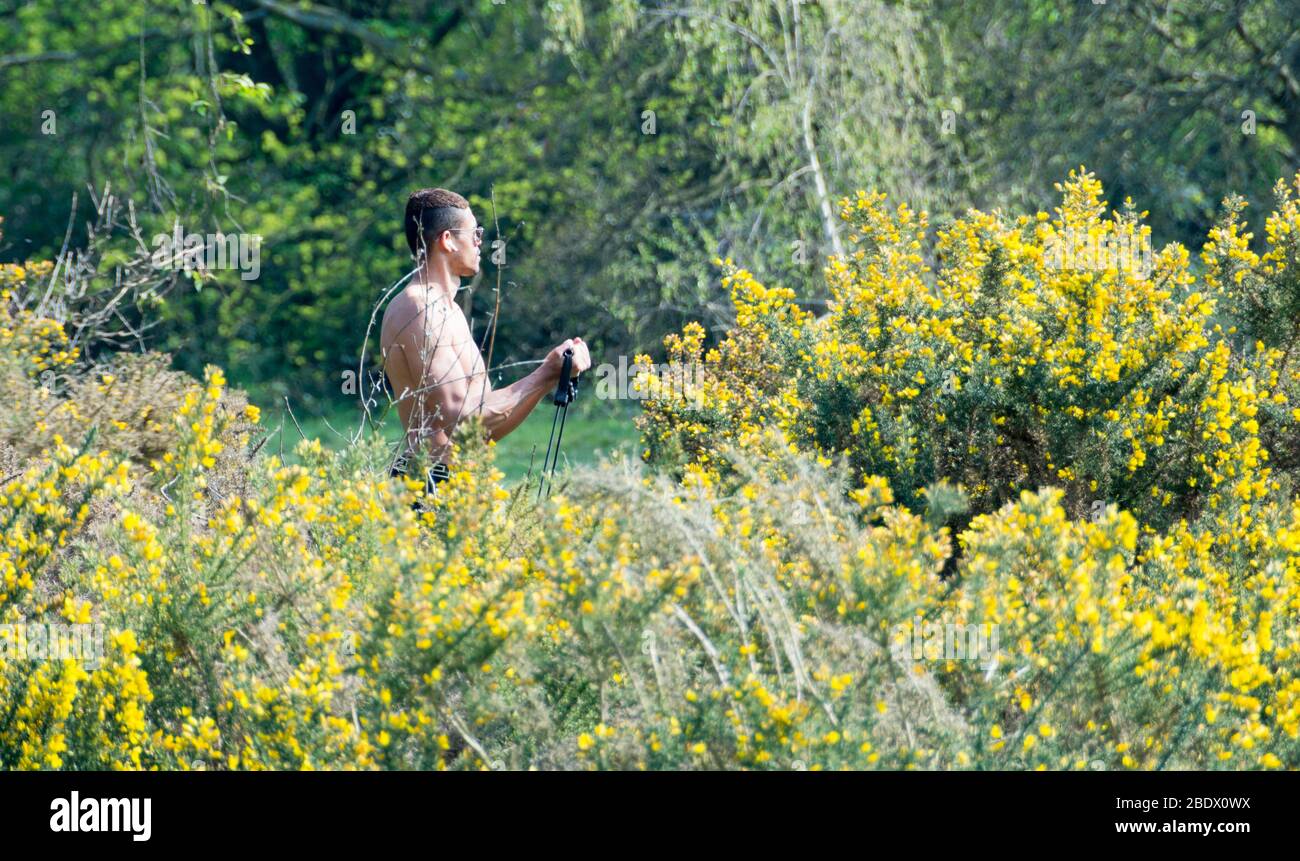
<point x="985" y="360"/>
<point x="1000" y="369"/>
<point x="761" y="603"/>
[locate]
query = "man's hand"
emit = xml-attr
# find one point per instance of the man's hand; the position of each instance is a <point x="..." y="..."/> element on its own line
<point x="554" y="362"/>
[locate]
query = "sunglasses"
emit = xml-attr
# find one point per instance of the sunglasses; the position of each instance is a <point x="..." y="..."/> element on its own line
<point x="478" y="232"/>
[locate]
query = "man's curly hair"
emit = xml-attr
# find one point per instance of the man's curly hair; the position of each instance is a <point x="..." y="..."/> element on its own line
<point x="429" y="212"/>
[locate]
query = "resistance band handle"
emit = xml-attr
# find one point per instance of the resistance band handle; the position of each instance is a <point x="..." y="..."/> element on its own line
<point x="568" y="386"/>
<point x="573" y="386"/>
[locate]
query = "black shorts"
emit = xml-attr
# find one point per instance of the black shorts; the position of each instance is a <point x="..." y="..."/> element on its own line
<point x="436" y="473"/>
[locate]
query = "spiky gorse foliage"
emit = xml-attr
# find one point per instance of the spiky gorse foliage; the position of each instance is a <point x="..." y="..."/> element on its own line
<point x="1001" y="370"/>
<point x="1168" y="394"/>
<point x="759" y="605"/>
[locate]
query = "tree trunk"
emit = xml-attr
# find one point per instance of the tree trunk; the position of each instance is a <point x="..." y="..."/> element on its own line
<point x="829" y="223"/>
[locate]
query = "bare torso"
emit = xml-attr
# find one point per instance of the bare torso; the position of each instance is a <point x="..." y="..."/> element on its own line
<point x="426" y="344"/>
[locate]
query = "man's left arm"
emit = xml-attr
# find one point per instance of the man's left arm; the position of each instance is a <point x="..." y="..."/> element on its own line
<point x="503" y="410"/>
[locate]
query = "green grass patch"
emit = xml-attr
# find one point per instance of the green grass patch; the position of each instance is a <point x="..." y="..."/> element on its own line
<point x="592" y="429"/>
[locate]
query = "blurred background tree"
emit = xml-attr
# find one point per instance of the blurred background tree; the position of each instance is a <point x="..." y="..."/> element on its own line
<point x="1175" y="103"/>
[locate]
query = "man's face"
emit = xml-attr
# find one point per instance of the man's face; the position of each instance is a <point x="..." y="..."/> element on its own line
<point x="463" y="248"/>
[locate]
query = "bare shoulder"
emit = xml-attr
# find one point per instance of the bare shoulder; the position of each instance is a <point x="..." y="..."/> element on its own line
<point x="412" y="318"/>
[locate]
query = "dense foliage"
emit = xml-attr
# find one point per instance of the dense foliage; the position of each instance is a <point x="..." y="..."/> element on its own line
<point x="614" y="148"/>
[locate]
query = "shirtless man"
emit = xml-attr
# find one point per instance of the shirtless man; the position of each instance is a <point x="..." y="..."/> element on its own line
<point x="436" y="370"/>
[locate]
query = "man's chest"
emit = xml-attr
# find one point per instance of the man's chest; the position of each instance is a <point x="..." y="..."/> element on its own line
<point x="431" y="335"/>
<point x="456" y="341"/>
